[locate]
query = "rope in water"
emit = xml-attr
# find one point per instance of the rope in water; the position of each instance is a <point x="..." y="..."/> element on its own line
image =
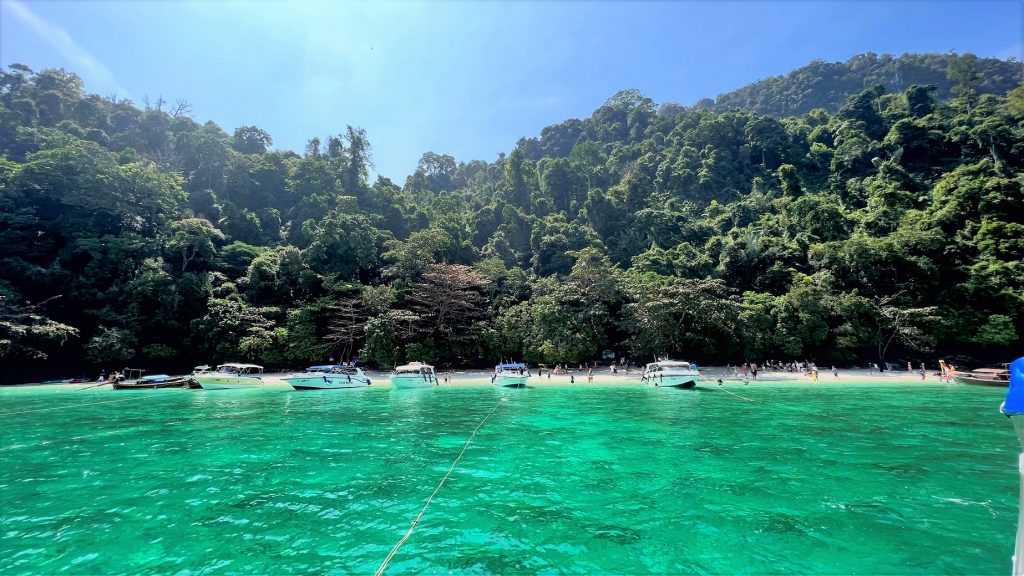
<point x="82" y="404"/>
<point x="416" y="520"/>
<point x="721" y="389"/>
<point x="737" y="395"/>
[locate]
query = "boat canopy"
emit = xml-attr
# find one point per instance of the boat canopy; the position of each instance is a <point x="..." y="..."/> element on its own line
<point x="671" y="364"/>
<point x="324" y="368"/>
<point x="1014" y="404"/>
<point x="414" y="367"/>
<point x="244" y="368"/>
<point x="516" y="366"/>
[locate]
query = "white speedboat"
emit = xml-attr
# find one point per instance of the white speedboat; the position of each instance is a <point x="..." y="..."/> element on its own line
<point x="328" y="377"/>
<point x="511" y="375"/>
<point x="413" y="375"/>
<point x="671" y="373"/>
<point x="231" y="376"/>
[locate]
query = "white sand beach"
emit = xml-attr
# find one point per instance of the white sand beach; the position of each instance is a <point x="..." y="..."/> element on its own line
<point x="709" y="376"/>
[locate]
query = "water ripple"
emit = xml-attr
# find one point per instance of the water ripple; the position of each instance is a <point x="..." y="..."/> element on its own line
<point x="621" y="479"/>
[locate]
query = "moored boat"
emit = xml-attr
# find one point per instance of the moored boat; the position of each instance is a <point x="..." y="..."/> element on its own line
<point x="514" y="375"/>
<point x="132" y="379"/>
<point x="231" y="376"/>
<point x="198" y="371"/>
<point x="413" y="375"/>
<point x="671" y="373"/>
<point x="983" y="377"/>
<point x="152" y="382"/>
<point x="328" y="377"/>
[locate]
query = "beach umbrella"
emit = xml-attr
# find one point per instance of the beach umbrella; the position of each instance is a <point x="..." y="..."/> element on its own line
<point x="1013" y="407"/>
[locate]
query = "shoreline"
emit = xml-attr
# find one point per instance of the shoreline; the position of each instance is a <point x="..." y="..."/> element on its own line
<point x="603" y="377"/>
<point x="708" y="377"/>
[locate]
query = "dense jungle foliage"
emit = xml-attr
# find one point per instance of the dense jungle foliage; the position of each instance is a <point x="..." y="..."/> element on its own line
<point x="892" y="228"/>
<point x="827" y="85"/>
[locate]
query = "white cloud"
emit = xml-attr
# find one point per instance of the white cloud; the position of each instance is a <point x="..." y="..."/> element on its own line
<point x="92" y="69"/>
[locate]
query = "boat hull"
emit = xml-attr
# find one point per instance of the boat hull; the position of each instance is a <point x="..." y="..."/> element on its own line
<point x="975" y="381"/>
<point x="413" y="381"/>
<point x="325" y="381"/>
<point x="675" y="381"/>
<point x="228" y="382"/>
<point x="511" y="381"/>
<point x="152" y="385"/>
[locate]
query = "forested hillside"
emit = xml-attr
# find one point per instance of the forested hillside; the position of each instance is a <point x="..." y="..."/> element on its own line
<point x="827" y="85"/>
<point x="891" y="228"/>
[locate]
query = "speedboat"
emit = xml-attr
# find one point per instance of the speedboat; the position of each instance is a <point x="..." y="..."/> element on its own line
<point x="984" y="377"/>
<point x="327" y="377"/>
<point x="201" y="370"/>
<point x="231" y="376"/>
<point x="413" y="375"/>
<point x="511" y="375"/>
<point x="671" y="373"/>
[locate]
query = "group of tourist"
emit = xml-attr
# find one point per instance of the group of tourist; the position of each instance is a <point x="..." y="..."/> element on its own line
<point x="749" y="370"/>
<point x="562" y="369"/>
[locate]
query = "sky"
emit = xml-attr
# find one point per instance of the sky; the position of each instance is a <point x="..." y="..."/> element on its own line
<point x="465" y="78"/>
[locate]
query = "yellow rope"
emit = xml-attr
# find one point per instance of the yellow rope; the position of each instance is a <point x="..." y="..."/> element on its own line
<point x="416" y="520"/>
<point x="736" y="395"/>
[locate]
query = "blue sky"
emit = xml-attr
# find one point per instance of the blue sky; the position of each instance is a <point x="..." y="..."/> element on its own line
<point x="463" y="78"/>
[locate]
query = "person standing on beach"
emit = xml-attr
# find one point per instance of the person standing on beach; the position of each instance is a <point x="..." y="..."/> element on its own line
<point x="753" y="370"/>
<point x="835" y="373"/>
<point x="590" y="375"/>
<point x="572" y="379"/>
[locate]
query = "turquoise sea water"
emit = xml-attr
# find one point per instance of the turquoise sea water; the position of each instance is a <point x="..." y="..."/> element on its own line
<point x="624" y="479"/>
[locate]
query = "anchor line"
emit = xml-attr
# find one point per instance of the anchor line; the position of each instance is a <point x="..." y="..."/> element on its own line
<point x="737" y="395"/>
<point x="721" y="389"/>
<point x="416" y="520"/>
